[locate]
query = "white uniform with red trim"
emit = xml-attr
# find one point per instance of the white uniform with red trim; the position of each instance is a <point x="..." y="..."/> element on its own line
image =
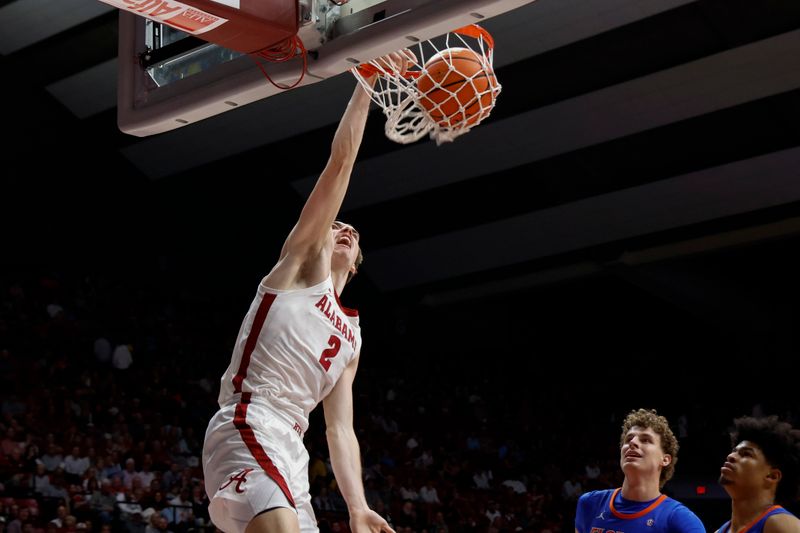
<point x="292" y="348"/>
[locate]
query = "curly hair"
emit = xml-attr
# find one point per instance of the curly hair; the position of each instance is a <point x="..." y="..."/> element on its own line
<point x="780" y="444"/>
<point x="648" y="418"/>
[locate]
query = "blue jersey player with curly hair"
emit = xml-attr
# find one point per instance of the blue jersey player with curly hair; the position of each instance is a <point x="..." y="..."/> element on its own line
<point x="648" y="453"/>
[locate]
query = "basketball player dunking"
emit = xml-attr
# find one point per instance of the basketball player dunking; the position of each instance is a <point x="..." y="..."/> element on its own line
<point x="297" y="346"/>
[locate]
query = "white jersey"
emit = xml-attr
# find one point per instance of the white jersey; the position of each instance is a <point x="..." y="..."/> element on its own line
<point x="292" y="348"/>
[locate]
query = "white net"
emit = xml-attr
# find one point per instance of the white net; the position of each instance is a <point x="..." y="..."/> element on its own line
<point x="449" y="88"/>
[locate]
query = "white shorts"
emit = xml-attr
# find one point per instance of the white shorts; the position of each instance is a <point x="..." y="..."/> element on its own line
<point x="253" y="461"/>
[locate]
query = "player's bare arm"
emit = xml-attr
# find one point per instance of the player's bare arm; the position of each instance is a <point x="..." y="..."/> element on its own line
<point x="304" y="259"/>
<point x="782" y="523"/>
<point x="346" y="456"/>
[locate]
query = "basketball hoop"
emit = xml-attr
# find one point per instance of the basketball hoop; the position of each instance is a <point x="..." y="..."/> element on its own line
<point x="447" y="90"/>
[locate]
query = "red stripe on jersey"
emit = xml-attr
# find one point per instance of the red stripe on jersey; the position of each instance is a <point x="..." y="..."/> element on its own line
<point x="249" y="438"/>
<point x="631" y="516"/>
<point x="749" y="526"/>
<point x="252" y="338"/>
<point x="346" y="310"/>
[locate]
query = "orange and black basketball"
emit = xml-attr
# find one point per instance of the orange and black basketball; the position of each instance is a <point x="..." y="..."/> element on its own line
<point x="456" y="86"/>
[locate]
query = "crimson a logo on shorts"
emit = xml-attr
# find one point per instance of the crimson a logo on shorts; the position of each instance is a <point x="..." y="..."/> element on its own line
<point x="239" y="477"/>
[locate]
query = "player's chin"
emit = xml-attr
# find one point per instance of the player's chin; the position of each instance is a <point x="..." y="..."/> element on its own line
<point x="340" y="256"/>
<point x="630" y="466"/>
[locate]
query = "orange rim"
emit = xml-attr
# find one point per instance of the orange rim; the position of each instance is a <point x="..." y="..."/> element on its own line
<point x="472" y="30"/>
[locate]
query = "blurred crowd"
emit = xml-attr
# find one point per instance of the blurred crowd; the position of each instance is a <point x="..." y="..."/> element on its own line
<point x="108" y="386"/>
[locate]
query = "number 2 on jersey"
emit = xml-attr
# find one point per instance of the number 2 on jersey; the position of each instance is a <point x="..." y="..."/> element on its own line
<point x="335" y="343"/>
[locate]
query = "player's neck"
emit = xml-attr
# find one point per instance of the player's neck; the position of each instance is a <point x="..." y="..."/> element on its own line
<point x="746" y="509"/>
<point x="339" y="281"/>
<point x="640" y="489"/>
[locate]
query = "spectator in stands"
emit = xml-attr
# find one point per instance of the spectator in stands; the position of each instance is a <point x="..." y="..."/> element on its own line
<point x="53" y="458"/>
<point x="130" y="473"/>
<point x="75" y="465"/>
<point x="408" y="492"/>
<point x="572" y="489"/>
<point x="483" y="479"/>
<point x="103" y="502"/>
<point x="60" y="520"/>
<point x="22" y="519"/>
<point x="322" y="502"/>
<point x="122" y="357"/>
<point x="592" y="470"/>
<point x="11" y="443"/>
<point x="40" y="481"/>
<point x="428" y="494"/>
<point x="199" y="506"/>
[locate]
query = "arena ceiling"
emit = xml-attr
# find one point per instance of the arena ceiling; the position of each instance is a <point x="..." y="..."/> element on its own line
<point x="655" y="144"/>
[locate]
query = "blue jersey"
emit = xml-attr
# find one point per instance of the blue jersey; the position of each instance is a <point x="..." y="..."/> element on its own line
<point x="757" y="525"/>
<point x="606" y="511"/>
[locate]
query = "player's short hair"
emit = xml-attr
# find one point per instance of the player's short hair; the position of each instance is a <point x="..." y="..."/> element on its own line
<point x="780" y="443"/>
<point x="648" y="418"/>
<point x="359" y="260"/>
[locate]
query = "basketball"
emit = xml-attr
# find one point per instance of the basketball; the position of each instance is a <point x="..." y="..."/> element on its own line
<point x="457" y="88"/>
